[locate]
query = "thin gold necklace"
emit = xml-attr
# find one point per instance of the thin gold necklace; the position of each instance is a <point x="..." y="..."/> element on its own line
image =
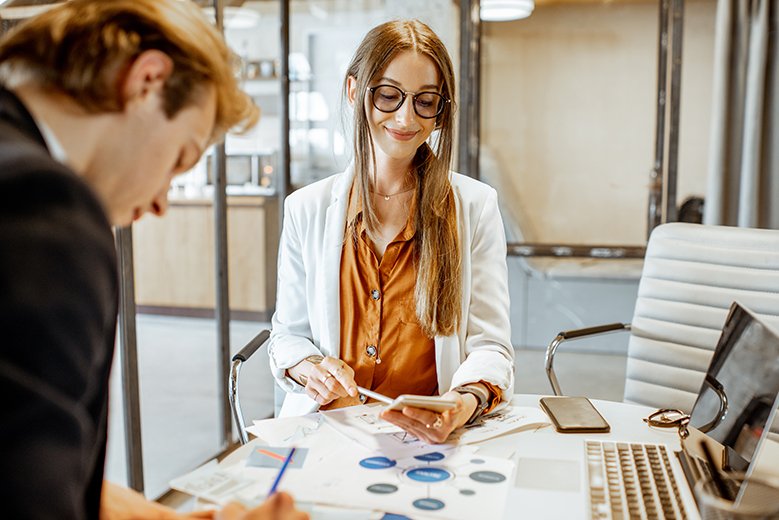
<point x="388" y="196"/>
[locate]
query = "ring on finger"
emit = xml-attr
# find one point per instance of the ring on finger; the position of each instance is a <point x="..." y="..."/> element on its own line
<point x="328" y="376"/>
<point x="438" y="422"/>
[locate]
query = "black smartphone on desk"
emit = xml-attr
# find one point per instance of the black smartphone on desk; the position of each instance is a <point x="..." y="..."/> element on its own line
<point x="574" y="415"/>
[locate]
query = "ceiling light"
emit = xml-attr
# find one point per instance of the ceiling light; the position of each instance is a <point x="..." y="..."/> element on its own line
<point x="503" y="10"/>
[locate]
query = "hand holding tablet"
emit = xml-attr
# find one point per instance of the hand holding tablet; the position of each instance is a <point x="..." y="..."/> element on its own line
<point x="433" y="403"/>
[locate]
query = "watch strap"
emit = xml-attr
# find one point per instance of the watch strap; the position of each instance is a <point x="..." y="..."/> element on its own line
<point x="482" y="400"/>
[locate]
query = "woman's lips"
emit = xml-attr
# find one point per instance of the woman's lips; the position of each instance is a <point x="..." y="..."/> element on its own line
<point x="400" y="136"/>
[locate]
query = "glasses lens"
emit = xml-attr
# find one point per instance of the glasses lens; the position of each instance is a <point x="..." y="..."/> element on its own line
<point x="428" y="104"/>
<point x="387" y="98"/>
<point x="666" y="418"/>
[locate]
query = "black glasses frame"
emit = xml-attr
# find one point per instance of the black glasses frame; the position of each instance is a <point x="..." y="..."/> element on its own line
<point x="414" y="95"/>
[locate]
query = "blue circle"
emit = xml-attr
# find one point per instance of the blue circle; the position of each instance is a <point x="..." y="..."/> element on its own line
<point x="430" y="457"/>
<point x="428" y="504"/>
<point x="428" y="474"/>
<point x="487" y="477"/>
<point x="377" y="463"/>
<point x="393" y="516"/>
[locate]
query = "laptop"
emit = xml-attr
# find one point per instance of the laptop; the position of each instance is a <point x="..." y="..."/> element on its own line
<point x="736" y="407"/>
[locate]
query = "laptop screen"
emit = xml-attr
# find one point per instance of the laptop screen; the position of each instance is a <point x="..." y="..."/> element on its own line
<point x="739" y="394"/>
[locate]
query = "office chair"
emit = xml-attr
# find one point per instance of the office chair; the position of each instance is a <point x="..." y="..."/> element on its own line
<point x="691" y="275"/>
<point x="235" y="370"/>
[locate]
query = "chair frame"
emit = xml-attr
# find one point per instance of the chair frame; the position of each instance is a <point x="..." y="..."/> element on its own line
<point x="241" y="357"/>
<point x="570" y="335"/>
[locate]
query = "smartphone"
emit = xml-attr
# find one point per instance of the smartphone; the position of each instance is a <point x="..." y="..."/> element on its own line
<point x="433" y="403"/>
<point x="574" y="415"/>
<point x="426" y="402"/>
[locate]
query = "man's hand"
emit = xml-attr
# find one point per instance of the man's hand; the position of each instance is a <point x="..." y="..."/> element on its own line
<point x="431" y="427"/>
<point x="279" y="506"/>
<point x="121" y="503"/>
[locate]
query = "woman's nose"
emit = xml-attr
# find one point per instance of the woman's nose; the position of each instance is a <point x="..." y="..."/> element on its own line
<point x="405" y="114"/>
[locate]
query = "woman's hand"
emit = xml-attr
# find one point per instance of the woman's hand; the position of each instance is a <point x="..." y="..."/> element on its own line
<point x="325" y="381"/>
<point x="431" y="427"/>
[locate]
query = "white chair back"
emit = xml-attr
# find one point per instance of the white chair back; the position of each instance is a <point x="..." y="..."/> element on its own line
<point x="692" y="273"/>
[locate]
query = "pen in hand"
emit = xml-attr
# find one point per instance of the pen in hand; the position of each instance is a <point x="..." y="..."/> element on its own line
<point x="281" y="472"/>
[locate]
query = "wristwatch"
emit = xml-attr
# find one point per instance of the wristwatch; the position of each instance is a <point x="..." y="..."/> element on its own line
<point x="482" y="400"/>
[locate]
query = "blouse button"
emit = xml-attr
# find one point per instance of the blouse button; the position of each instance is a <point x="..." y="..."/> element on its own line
<point x="371" y="350"/>
<point x="375" y="294"/>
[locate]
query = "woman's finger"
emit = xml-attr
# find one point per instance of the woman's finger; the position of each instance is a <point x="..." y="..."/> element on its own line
<point x="316" y="383"/>
<point x="343" y="374"/>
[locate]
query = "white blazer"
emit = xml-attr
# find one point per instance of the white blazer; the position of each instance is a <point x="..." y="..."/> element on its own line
<point x="307" y="317"/>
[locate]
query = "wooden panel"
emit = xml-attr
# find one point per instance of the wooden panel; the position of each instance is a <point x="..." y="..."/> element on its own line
<point x="174" y="256"/>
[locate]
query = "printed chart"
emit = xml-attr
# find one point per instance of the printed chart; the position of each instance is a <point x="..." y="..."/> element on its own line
<point x="434" y="484"/>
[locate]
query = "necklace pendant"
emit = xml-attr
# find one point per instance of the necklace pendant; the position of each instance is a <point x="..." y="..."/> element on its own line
<point x="386" y="197"/>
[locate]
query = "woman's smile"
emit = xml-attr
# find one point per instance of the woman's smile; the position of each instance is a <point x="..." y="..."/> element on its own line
<point x="400" y="135"/>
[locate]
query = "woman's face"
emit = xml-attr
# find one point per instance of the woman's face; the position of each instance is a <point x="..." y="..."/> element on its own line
<point x="398" y="134"/>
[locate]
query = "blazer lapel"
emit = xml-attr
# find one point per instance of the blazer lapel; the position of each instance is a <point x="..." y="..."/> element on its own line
<point x="335" y="224"/>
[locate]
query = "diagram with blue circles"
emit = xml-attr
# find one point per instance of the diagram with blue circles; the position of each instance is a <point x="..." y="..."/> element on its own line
<point x="452" y="485"/>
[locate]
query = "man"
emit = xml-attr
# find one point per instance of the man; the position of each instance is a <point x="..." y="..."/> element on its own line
<point x="103" y="103"/>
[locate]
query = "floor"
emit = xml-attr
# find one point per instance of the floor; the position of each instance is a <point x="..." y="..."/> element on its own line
<point x="179" y="404"/>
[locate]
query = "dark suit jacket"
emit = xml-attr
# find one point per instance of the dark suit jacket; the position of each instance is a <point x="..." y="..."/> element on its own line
<point x="58" y="306"/>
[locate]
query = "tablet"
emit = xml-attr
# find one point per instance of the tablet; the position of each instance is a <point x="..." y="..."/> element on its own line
<point x="426" y="402"/>
<point x="433" y="403"/>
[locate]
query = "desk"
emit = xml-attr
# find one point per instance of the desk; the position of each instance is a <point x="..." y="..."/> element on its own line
<point x="546" y="455"/>
<point x="545" y="444"/>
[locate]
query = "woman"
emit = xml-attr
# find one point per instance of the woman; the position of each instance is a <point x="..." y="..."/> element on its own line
<point x="392" y="274"/>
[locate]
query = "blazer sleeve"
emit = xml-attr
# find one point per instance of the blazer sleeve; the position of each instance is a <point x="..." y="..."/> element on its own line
<point x="57" y="315"/>
<point x="488" y="349"/>
<point x="290" y="340"/>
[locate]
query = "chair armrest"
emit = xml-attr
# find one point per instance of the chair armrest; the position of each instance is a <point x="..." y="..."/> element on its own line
<point x="250" y="348"/>
<point x="570" y="335"/>
<point x="235" y="370"/>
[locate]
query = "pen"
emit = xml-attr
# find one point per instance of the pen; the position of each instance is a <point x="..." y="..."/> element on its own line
<point x="374" y="395"/>
<point x="716" y="476"/>
<point x="281" y="472"/>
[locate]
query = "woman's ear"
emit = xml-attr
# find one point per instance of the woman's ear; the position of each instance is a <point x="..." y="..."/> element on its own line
<point x="351" y="90"/>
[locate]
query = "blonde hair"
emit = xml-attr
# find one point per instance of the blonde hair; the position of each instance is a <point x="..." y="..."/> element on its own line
<point x="438" y="291"/>
<point x="81" y="48"/>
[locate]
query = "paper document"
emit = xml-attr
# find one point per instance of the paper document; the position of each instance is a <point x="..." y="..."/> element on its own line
<point x="287" y="431"/>
<point x="362" y="425"/>
<point x="507" y="420"/>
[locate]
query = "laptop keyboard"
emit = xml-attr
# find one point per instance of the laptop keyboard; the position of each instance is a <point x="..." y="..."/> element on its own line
<point x="631" y="480"/>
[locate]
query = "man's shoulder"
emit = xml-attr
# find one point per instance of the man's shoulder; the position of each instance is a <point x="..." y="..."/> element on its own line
<point x="33" y="182"/>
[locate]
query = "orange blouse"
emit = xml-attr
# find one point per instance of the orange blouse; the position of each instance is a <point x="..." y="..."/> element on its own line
<point x="381" y="338"/>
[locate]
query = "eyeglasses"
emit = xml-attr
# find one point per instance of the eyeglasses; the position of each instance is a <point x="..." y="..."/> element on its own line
<point x="669" y="418"/>
<point x="389" y="98"/>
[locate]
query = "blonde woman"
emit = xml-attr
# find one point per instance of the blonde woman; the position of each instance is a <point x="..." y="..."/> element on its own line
<point x="392" y="274"/>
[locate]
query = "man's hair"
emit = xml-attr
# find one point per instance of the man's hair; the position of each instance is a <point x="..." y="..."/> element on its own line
<point x="83" y="48"/>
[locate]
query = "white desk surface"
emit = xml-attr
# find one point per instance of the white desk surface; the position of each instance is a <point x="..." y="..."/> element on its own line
<point x="540" y="448"/>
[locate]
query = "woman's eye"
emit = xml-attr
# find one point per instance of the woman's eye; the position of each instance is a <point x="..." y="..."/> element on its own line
<point x="389" y="97"/>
